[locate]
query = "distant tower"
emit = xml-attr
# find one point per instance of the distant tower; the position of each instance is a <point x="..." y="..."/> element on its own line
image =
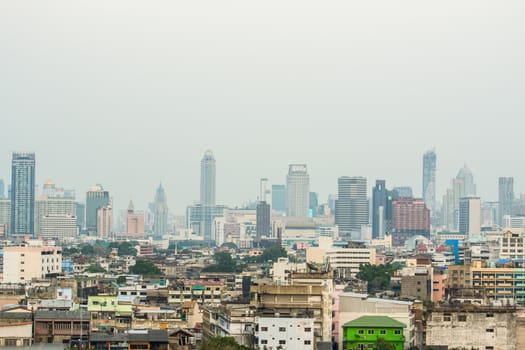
<point x="96" y="198"/>
<point x="506" y="197"/>
<point x="23" y="194"/>
<point x="469" y="187"/>
<point x="160" y="219"/>
<point x="208" y="179"/>
<point x="429" y="180"/>
<point x="263" y="220"/>
<point x="2" y="189"/>
<point x="265" y="191"/>
<point x="298" y="190"/>
<point x="279" y="201"/>
<point x="351" y="206"/>
<point x="135" y="223"/>
<point x="470" y="216"/>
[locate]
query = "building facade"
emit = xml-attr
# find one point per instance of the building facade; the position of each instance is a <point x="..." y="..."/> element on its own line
<point x="96" y="198"/>
<point x="208" y="169"/>
<point x="351" y="207"/>
<point x="505" y="197"/>
<point x="429" y="179"/>
<point x="410" y="217"/>
<point x="298" y="191"/>
<point x="23" y="194"/>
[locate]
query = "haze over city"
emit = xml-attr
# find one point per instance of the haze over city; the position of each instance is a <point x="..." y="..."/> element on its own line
<point x="127" y="94"/>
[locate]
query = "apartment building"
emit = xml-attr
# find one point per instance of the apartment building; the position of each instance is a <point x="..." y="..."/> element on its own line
<point x="24" y="263"/>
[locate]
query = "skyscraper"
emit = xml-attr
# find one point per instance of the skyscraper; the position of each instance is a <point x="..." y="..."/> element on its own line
<point x="263" y="221"/>
<point x="410" y="217"/>
<point x="96" y="198"/>
<point x="23" y="194"/>
<point x="279" y="201"/>
<point x="2" y="189"/>
<point x="351" y="206"/>
<point x="265" y="191"/>
<point x="298" y="190"/>
<point x="469" y="187"/>
<point x="208" y="179"/>
<point x="429" y="180"/>
<point x="134" y="223"/>
<point x="160" y="218"/>
<point x="382" y="209"/>
<point x="470" y="216"/>
<point x="313" y="203"/>
<point x="506" y="197"/>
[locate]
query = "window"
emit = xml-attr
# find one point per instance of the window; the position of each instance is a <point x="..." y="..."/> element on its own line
<point x="307" y="342"/>
<point x="382" y="332"/>
<point x="490" y="314"/>
<point x="489" y="348"/>
<point x="447" y="317"/>
<point x="397" y="332"/>
<point x="282" y="342"/>
<point x="264" y="341"/>
<point x="307" y="329"/>
<point x="489" y="330"/>
<point x="282" y="329"/>
<point x="264" y="329"/>
<point x="360" y="331"/>
<point x="370" y="331"/>
<point x="462" y="318"/>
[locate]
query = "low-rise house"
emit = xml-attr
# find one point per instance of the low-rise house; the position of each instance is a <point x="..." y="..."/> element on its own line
<point x="58" y="327"/>
<point x="134" y="339"/>
<point x="229" y="320"/>
<point x="209" y="292"/>
<point x="16" y="327"/>
<point x="110" y="313"/>
<point x="363" y="332"/>
<point x="182" y="339"/>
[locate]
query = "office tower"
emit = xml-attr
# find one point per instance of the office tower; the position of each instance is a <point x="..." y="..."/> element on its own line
<point x="56" y="207"/>
<point x="199" y="218"/>
<point x="58" y="227"/>
<point x="382" y="208"/>
<point x="81" y="216"/>
<point x="2" y="189"/>
<point x="298" y="190"/>
<point x="49" y="189"/>
<point x="279" y="198"/>
<point x="96" y="198"/>
<point x="208" y="179"/>
<point x="489" y="214"/>
<point x="470" y="216"/>
<point x="506" y="197"/>
<point x="429" y="179"/>
<point x="104" y="221"/>
<point x="263" y="220"/>
<point x="160" y="219"/>
<point x="265" y="194"/>
<point x="351" y="207"/>
<point x="469" y="187"/>
<point x="404" y="191"/>
<point x="332" y="198"/>
<point x="5" y="216"/>
<point x="410" y="217"/>
<point x="23" y="194"/>
<point x="134" y="223"/>
<point x="314" y="204"/>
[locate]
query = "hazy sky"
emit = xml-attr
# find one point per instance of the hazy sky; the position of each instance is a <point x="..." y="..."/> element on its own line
<point x="130" y="93"/>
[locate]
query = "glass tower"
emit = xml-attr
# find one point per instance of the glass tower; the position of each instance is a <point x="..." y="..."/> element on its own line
<point x="23" y="194"/>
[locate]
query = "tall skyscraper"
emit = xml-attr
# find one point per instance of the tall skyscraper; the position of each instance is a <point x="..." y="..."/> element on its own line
<point x="351" y="206"/>
<point x="2" y="189"/>
<point x="382" y="209"/>
<point x="134" y="223"/>
<point x="104" y="221"/>
<point x="62" y="209"/>
<point x="469" y="187"/>
<point x="279" y="200"/>
<point x="429" y="180"/>
<point x="313" y="203"/>
<point x="5" y="216"/>
<point x="208" y="179"/>
<point x="265" y="194"/>
<point x="160" y="219"/>
<point x="81" y="216"/>
<point x="23" y="194"/>
<point x="96" y="198"/>
<point x="506" y="197"/>
<point x="263" y="220"/>
<point x="298" y="191"/>
<point x="470" y="216"/>
<point x="404" y="191"/>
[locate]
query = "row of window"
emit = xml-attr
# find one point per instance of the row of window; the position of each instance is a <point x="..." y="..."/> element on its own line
<point x="381" y="331"/>
<point x="283" y="329"/>
<point x="283" y="342"/>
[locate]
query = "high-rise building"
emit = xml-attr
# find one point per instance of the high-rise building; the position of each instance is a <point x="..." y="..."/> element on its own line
<point x="470" y="216"/>
<point x="134" y="223"/>
<point x="265" y="191"/>
<point x="404" y="191"/>
<point x="506" y="197"/>
<point x="263" y="220"/>
<point x="351" y="207"/>
<point x="81" y="216"/>
<point x="382" y="209"/>
<point x="58" y="227"/>
<point x="469" y="187"/>
<point x="208" y="179"/>
<point x="410" y="217"/>
<point x="314" y="204"/>
<point x="23" y="194"/>
<point x="298" y="191"/>
<point x="160" y="219"/>
<point x="96" y="198"/>
<point x="5" y="215"/>
<point x="55" y="207"/>
<point x="429" y="179"/>
<point x="104" y="222"/>
<point x="279" y="200"/>
<point x="200" y="218"/>
<point x="2" y="189"/>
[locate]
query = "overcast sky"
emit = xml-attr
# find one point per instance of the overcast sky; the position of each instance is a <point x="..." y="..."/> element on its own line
<point x="130" y="93"/>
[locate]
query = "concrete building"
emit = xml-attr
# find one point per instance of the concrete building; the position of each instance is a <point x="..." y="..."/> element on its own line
<point x="16" y="327"/>
<point x="104" y="221"/>
<point x="61" y="327"/>
<point x="199" y="218"/>
<point x="96" y="198"/>
<point x="382" y="209"/>
<point x="354" y="305"/>
<point x="55" y="207"/>
<point x="5" y="214"/>
<point x="160" y="216"/>
<point x="416" y="283"/>
<point x="285" y="333"/>
<point x="344" y="261"/>
<point x="429" y="180"/>
<point x="512" y="245"/>
<point x="410" y="217"/>
<point x="229" y="320"/>
<point x="514" y="222"/>
<point x="24" y="263"/>
<point x="279" y="200"/>
<point x="505" y="197"/>
<point x="208" y="170"/>
<point x="298" y="191"/>
<point x="23" y="194"/>
<point x="134" y="223"/>
<point x="470" y="216"/>
<point x="471" y="327"/>
<point x="264" y="227"/>
<point x="58" y="227"/>
<point x="351" y="207"/>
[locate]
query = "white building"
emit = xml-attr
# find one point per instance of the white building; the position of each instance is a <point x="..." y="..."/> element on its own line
<point x="104" y="221"/>
<point x="23" y="263"/>
<point x="298" y="190"/>
<point x="52" y="206"/>
<point x="345" y="262"/>
<point x="512" y="245"/>
<point x="284" y="333"/>
<point x="514" y="222"/>
<point x="61" y="227"/>
<point x="470" y="216"/>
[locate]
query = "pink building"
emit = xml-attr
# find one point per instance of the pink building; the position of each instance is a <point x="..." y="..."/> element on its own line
<point x="439" y="279"/>
<point x="336" y="326"/>
<point x="135" y="223"/>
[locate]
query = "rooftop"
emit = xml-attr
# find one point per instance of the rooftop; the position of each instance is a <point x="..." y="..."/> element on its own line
<point x="374" y="322"/>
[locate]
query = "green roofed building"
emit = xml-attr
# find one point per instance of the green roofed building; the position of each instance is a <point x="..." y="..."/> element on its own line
<point x="363" y="332"/>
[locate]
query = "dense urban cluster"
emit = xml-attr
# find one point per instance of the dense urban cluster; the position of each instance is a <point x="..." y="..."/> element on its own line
<point x="384" y="269"/>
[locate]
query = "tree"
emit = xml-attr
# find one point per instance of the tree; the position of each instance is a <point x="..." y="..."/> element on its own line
<point x="377" y="276"/>
<point x="382" y="344"/>
<point x="223" y="263"/>
<point x="95" y="269"/>
<point x="221" y="343"/>
<point x="272" y="253"/>
<point x="144" y="267"/>
<point x="87" y="250"/>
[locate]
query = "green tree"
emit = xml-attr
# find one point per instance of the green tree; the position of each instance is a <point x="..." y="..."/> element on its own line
<point x="272" y="253"/>
<point x="221" y="343"/>
<point x="223" y="263"/>
<point x="144" y="267"/>
<point x="382" y="344"/>
<point x="377" y="276"/>
<point x="87" y="250"/>
<point x="95" y="269"/>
